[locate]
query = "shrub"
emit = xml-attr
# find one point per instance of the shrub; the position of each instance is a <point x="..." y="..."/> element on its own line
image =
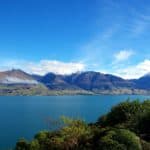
<point x="22" y="144"/>
<point x="125" y="127"/>
<point x="119" y="139"/>
<point x="122" y="113"/>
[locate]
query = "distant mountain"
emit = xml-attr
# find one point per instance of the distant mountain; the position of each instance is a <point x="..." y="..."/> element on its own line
<point x="94" y="80"/>
<point x="16" y="77"/>
<point x="143" y="82"/>
<point x="89" y="82"/>
<point x="57" y="82"/>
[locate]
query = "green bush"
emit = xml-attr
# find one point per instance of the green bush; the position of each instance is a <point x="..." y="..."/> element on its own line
<point x="125" y="127"/>
<point x="122" y="113"/>
<point x="141" y="125"/>
<point x="22" y="144"/>
<point x="117" y="139"/>
<point x="34" y="145"/>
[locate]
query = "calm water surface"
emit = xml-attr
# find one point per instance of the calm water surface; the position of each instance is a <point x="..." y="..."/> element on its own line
<point x="25" y="116"/>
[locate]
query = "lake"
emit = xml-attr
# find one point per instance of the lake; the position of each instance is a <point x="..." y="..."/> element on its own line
<point x="23" y="116"/>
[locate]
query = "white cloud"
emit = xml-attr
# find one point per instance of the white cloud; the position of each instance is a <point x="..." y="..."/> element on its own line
<point x="135" y="71"/>
<point x="45" y="66"/>
<point x="123" y="55"/>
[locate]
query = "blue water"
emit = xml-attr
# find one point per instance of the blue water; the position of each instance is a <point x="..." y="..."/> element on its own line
<point x="25" y="116"/>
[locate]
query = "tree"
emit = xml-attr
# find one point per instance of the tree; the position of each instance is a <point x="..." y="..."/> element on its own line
<point x="34" y="145"/>
<point x="125" y="127"/>
<point x="118" y="139"/>
<point x="123" y="113"/>
<point x="22" y="144"/>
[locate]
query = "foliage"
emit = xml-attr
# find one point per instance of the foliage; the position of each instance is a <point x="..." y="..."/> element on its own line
<point x="125" y="127"/>
<point x="22" y="144"/>
<point x="110" y="138"/>
<point x="141" y="125"/>
<point x="122" y="113"/>
<point x="145" y="145"/>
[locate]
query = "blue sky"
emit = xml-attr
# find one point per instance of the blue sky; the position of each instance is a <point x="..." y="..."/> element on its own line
<point x="109" y="36"/>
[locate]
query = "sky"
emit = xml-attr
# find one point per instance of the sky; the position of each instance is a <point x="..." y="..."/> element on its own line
<point x="107" y="36"/>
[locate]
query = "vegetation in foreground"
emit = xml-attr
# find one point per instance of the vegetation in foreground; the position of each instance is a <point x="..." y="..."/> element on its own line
<point x="125" y="127"/>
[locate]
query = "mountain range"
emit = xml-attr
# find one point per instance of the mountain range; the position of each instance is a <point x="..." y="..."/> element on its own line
<point x="18" y="82"/>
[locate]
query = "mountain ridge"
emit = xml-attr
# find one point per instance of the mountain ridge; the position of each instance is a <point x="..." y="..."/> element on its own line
<point x="88" y="82"/>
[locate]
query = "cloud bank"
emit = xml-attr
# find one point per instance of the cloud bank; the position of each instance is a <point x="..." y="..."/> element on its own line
<point x="135" y="71"/>
<point x="44" y="66"/>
